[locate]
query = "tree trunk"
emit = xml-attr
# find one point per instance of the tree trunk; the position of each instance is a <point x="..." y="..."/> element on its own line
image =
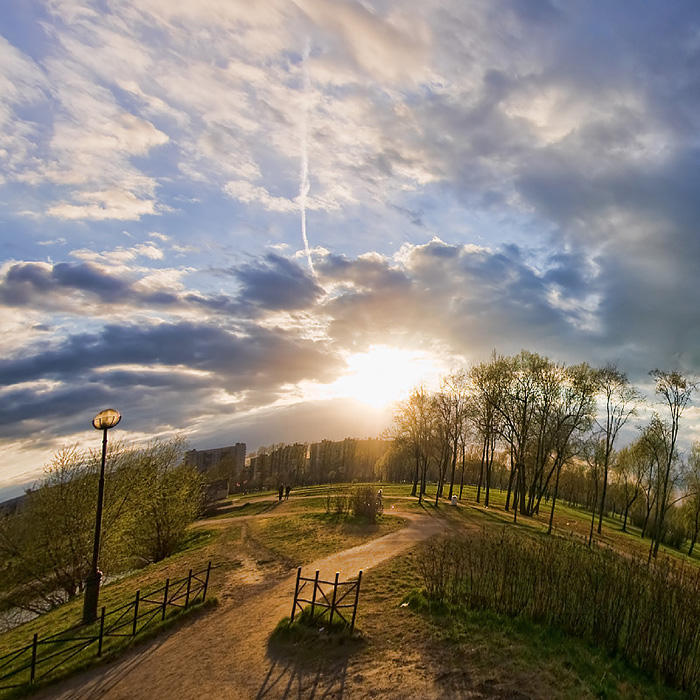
<point x="554" y="501"/>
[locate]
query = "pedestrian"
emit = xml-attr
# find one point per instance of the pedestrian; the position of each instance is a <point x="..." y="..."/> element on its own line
<point x="286" y="492"/>
<point x="280" y="491"/>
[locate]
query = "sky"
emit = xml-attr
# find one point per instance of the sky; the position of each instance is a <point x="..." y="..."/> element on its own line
<point x="264" y="222"/>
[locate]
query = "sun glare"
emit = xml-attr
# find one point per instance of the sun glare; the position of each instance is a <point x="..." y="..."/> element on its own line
<point x="385" y="374"/>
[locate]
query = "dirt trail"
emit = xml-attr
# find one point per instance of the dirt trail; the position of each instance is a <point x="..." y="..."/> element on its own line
<point x="223" y="653"/>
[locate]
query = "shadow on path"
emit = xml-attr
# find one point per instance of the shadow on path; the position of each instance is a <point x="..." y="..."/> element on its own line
<point x="289" y="678"/>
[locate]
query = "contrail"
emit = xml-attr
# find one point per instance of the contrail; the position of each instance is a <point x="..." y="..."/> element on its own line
<point x="304" y="184"/>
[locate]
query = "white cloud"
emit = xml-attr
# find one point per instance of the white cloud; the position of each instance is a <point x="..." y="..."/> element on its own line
<point x="251" y="194"/>
<point x="392" y="48"/>
<point x="109" y="204"/>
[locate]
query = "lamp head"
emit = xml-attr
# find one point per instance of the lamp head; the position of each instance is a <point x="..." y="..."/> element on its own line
<point x="106" y="419"/>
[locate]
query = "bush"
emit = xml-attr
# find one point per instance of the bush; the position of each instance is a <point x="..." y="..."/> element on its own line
<point x="337" y="504"/>
<point x="366" y="503"/>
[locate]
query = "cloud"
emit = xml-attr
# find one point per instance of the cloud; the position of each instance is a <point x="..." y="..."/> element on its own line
<point x="178" y="360"/>
<point x="277" y="284"/>
<point x="390" y="48"/>
<point x="498" y="173"/>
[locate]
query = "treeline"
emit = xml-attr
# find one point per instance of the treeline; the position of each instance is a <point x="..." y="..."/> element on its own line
<point x="543" y="430"/>
<point x="46" y="545"/>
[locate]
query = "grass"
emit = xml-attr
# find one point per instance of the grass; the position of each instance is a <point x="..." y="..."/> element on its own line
<point x="301" y="538"/>
<point x="68" y="662"/>
<point x="301" y="531"/>
<point x="298" y="535"/>
<point x="480" y="652"/>
<point x="312" y="638"/>
<point x="201" y="546"/>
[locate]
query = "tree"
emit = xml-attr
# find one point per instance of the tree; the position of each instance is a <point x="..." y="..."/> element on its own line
<point x="651" y="447"/>
<point x="415" y="423"/>
<point x="169" y="498"/>
<point x="595" y="457"/>
<point x="516" y="402"/>
<point x="485" y="419"/>
<point x="630" y="468"/>
<point x="692" y="495"/>
<point x="47" y="546"/>
<point x="451" y="404"/>
<point x="620" y="403"/>
<point x="675" y="391"/>
<point x="571" y="418"/>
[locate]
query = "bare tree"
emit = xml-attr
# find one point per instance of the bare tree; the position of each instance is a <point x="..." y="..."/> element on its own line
<point x="620" y="401"/>
<point x="675" y="391"/>
<point x="692" y="495"/>
<point x="630" y="468"/>
<point x="415" y="423"/>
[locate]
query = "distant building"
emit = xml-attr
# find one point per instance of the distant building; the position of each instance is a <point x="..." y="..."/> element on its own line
<point x="221" y="463"/>
<point x="346" y="460"/>
<point x="282" y="464"/>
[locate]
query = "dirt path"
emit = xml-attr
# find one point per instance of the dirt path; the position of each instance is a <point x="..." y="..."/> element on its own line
<point x="223" y="653"/>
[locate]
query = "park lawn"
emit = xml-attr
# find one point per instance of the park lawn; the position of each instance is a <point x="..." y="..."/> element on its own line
<point x="200" y="547"/>
<point x="464" y="652"/>
<point x="291" y="539"/>
<point x="302" y="538"/>
<point x="569" y="521"/>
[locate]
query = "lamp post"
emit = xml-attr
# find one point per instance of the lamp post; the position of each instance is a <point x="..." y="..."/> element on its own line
<point x="103" y="421"/>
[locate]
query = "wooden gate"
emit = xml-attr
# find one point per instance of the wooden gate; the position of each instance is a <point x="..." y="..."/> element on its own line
<point x="337" y="596"/>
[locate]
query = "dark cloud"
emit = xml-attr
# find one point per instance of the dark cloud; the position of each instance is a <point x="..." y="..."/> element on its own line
<point x="35" y="284"/>
<point x="277" y="284"/>
<point x="468" y="298"/>
<point x="240" y="361"/>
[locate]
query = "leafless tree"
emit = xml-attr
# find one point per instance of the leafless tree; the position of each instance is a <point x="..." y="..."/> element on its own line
<point x="675" y="391"/>
<point x="620" y="401"/>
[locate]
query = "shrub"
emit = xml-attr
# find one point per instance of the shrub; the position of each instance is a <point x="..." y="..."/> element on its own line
<point x="337" y="503"/>
<point x="647" y="616"/>
<point x="365" y="503"/>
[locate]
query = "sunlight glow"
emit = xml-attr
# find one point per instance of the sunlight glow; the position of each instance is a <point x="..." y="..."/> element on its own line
<point x="385" y="374"/>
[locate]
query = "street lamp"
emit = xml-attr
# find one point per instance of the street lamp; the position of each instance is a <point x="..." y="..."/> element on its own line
<point x="103" y="421"/>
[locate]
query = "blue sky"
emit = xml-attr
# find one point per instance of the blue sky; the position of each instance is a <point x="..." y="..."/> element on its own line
<point x="495" y="174"/>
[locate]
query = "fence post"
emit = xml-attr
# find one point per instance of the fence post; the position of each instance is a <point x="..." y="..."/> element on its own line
<point x="335" y="591"/>
<point x="357" y="598"/>
<point x="189" y="586"/>
<point x="32" y="672"/>
<point x="102" y="631"/>
<point x="296" y="592"/>
<point x="136" y="612"/>
<point x="313" y="597"/>
<point x="206" y="582"/>
<point x="165" y="598"/>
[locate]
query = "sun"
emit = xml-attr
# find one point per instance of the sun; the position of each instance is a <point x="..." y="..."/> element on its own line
<point x="384" y="374"/>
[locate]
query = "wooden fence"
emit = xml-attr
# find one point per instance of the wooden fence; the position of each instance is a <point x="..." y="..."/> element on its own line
<point x="37" y="660"/>
<point x="327" y="595"/>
